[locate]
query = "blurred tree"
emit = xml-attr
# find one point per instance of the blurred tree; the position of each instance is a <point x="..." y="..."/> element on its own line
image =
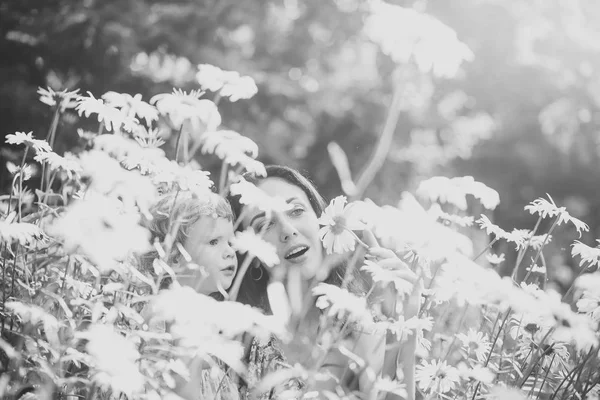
<point x="519" y="113"/>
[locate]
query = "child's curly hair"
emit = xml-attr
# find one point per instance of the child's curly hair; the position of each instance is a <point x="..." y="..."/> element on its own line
<point x="174" y="214"/>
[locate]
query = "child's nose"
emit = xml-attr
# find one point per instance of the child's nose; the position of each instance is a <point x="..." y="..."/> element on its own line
<point x="229" y="252"/>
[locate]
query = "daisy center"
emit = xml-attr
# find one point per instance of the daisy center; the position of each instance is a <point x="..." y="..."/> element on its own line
<point x="339" y="225"/>
<point x="473" y="346"/>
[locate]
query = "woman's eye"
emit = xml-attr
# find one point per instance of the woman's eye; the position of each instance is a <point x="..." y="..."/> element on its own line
<point x="297" y="211"/>
<point x="214" y="242"/>
<point x="261" y="226"/>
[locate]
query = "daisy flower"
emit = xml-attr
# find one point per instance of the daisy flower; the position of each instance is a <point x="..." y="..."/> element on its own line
<point x="182" y="107"/>
<point x="540" y="269"/>
<point x="477" y="373"/>
<point x="225" y="142"/>
<point x="15" y="170"/>
<point x="117" y="146"/>
<point x="404" y="33"/>
<point x="547" y="208"/>
<point x="246" y="163"/>
<point x="228" y="83"/>
<point x="56" y="162"/>
<point x="112" y="118"/>
<point x="131" y="105"/>
<point x="148" y="138"/>
<point x="589" y="304"/>
<point x="569" y="327"/>
<point x="339" y="222"/>
<point x="21" y="232"/>
<point x="490" y="228"/>
<point x="475" y="342"/>
<point x="396" y="277"/>
<point x="501" y="392"/>
<point x="98" y="228"/>
<point x="114" y="359"/>
<point x="495" y="259"/>
<point x="249" y="242"/>
<point x="212" y="78"/>
<point x="447" y="218"/>
<point x="253" y="196"/>
<point x="589" y="255"/>
<point x="37" y="315"/>
<point x="527" y="347"/>
<point x="454" y="191"/>
<point x="28" y="140"/>
<point x="536" y="242"/>
<point x="387" y="385"/>
<point x="340" y="302"/>
<point x="172" y="175"/>
<point x="64" y="99"/>
<point x="437" y="377"/>
<point x="243" y="87"/>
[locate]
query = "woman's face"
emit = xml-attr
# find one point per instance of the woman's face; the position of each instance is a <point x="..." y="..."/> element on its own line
<point x="295" y="232"/>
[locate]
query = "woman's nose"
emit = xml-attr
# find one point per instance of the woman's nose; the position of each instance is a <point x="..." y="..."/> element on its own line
<point x="287" y="230"/>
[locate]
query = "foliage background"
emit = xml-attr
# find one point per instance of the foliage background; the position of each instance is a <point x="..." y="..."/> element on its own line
<point x="521" y="117"/>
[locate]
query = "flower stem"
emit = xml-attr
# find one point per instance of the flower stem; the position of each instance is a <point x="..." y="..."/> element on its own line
<point x="12" y="285"/>
<point x="235" y="288"/>
<point x="541" y="247"/>
<point x="533" y="363"/>
<point x="522" y="253"/>
<point x="545" y="377"/>
<point x="177" y="143"/>
<point x="489" y="246"/>
<point x="462" y="320"/>
<point x="239" y="220"/>
<point x="349" y="269"/>
<point x="492" y="350"/>
<point x="21" y="181"/>
<point x="52" y="131"/>
<point x="358" y="240"/>
<point x="223" y="178"/>
<point x="574" y="280"/>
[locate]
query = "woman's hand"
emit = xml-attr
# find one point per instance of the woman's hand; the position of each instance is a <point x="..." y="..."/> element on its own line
<point x="400" y="356"/>
<point x="388" y="260"/>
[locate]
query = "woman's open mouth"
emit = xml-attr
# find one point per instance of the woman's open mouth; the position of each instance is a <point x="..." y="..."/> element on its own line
<point x="296" y="252"/>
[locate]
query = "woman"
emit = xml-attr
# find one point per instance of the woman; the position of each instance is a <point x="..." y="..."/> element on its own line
<point x="295" y="235"/>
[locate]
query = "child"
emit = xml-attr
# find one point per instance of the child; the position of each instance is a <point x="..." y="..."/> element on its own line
<point x="199" y="233"/>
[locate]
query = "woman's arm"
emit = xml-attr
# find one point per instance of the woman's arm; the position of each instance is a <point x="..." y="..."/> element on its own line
<point x="399" y="354"/>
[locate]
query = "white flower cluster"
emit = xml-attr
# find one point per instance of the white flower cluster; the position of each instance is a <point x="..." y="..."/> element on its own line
<point x="405" y="33"/>
<point x="454" y="191"/>
<point x="227" y="83"/>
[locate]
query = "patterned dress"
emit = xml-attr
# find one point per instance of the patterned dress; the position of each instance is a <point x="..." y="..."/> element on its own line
<point x="263" y="359"/>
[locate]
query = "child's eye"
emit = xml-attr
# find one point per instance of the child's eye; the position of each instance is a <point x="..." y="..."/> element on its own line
<point x="214" y="242"/>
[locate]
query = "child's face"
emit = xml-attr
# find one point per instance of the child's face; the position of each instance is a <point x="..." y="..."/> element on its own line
<point x="208" y="243"/>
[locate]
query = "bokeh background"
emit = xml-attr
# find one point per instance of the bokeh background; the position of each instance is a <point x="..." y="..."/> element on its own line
<point x="512" y="99"/>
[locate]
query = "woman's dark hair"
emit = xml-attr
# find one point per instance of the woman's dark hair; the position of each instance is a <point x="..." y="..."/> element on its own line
<point x="253" y="291"/>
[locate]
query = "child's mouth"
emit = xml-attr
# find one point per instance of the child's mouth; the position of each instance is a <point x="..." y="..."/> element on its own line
<point x="230" y="269"/>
